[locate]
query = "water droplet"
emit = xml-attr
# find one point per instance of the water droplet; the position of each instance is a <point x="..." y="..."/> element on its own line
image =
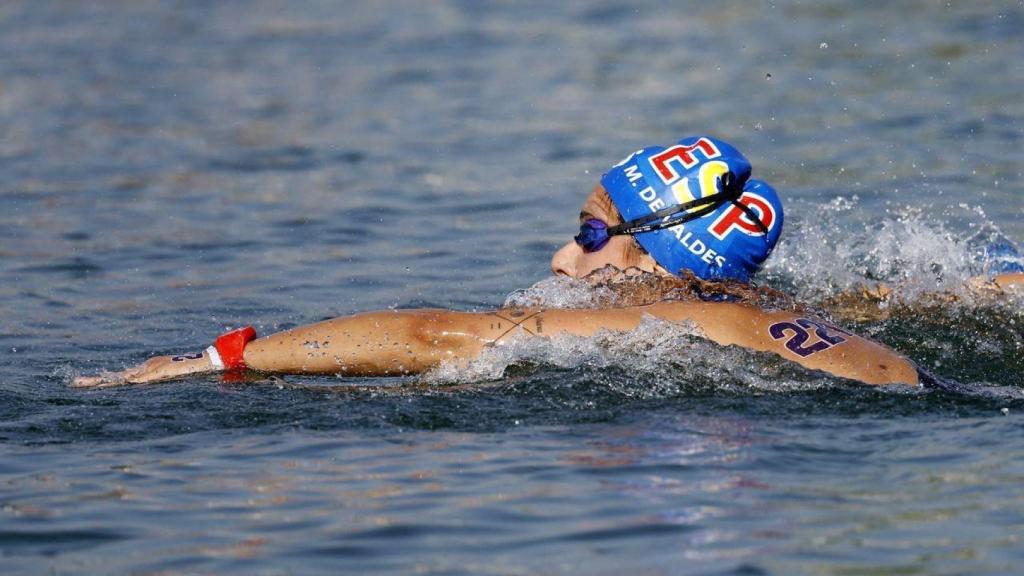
<point x="823" y="45"/>
<point x="768" y="76"/>
<point x="1005" y="411"/>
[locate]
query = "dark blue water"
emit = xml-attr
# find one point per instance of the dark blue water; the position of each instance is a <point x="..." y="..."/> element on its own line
<point x="172" y="169"/>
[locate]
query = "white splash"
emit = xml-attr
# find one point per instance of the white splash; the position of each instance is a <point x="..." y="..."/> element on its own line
<point x="558" y="292"/>
<point x="824" y="253"/>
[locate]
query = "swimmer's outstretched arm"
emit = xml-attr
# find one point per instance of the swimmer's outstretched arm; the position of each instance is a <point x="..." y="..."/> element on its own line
<point x="413" y="341"/>
<point x="382" y="343"/>
<point x="1008" y="280"/>
<point x="369" y="344"/>
<point x="980" y="284"/>
<point x="865" y="304"/>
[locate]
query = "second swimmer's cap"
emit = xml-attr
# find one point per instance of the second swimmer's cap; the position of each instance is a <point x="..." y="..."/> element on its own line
<point x="723" y="244"/>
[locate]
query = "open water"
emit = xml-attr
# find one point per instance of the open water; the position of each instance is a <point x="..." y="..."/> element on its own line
<point x="170" y="169"/>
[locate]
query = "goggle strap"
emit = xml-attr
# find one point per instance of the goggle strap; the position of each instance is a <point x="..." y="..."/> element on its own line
<point x="731" y="191"/>
<point x="715" y="200"/>
<point x="752" y="215"/>
<point x="651" y="226"/>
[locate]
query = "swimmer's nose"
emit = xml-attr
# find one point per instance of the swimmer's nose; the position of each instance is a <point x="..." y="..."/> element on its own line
<point x="564" y="260"/>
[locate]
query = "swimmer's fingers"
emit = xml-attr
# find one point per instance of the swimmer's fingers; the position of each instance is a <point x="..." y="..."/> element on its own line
<point x="104" y="380"/>
<point x="89" y="381"/>
<point x="162" y="368"/>
<point x="152" y="370"/>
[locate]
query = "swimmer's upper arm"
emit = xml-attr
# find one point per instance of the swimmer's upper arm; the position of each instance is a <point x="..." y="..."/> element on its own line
<point x="803" y="339"/>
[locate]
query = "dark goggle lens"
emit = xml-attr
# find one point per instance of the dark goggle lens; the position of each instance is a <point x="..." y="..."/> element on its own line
<point x="593" y="235"/>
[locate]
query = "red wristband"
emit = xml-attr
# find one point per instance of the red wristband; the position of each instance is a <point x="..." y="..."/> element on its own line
<point x="231" y="347"/>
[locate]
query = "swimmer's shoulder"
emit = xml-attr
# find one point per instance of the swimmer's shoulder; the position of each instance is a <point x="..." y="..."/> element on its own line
<point x="801" y="338"/>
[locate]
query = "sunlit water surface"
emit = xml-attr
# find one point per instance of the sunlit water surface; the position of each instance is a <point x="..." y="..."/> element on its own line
<point x="172" y="169"/>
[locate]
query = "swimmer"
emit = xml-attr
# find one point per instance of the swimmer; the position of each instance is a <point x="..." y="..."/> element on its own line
<point x="689" y="215"/>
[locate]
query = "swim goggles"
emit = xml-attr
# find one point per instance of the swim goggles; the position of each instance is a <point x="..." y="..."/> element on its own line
<point x="594" y="233"/>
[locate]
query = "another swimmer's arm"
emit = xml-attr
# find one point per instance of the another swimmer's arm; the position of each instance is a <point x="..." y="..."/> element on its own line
<point x="848" y="303"/>
<point x="1004" y="281"/>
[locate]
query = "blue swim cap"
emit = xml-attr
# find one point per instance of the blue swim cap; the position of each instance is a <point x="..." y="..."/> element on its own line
<point x="724" y="244"/>
<point x="1002" y="257"/>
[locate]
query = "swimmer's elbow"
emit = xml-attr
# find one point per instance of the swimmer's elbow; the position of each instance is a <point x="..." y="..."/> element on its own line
<point x="443" y="334"/>
<point x="906" y="373"/>
<point x="888" y="368"/>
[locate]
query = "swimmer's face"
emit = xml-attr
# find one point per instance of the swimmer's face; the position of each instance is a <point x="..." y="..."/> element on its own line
<point x="620" y="251"/>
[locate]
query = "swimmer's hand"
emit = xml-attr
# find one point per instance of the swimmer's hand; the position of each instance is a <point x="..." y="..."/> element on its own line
<point x="155" y="369"/>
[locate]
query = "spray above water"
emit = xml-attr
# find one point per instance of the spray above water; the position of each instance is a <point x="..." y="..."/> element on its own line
<point x="829" y="251"/>
<point x="559" y="292"/>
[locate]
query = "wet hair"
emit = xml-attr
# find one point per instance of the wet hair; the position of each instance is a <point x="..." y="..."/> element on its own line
<point x="636" y="287"/>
